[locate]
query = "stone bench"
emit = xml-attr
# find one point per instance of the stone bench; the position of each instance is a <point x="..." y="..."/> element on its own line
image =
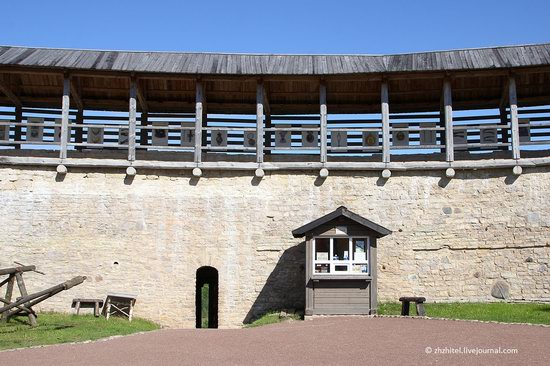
<point x="96" y="304"/>
<point x="405" y="305"/>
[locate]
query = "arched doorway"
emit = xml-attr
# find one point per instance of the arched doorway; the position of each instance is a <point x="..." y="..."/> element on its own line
<point x="206" y="298"/>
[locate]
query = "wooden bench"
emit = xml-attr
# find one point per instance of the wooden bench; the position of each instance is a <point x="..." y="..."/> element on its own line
<point x="119" y="304"/>
<point x="96" y="304"/>
<point x="405" y="305"/>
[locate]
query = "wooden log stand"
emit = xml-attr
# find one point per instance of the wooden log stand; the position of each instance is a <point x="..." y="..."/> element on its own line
<point x="87" y="303"/>
<point x="405" y="305"/>
<point x="23" y="305"/>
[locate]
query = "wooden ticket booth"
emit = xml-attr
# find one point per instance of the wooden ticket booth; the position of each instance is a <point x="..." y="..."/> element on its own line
<point x="341" y="263"/>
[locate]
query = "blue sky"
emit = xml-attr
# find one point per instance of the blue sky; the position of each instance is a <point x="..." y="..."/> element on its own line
<point x="280" y="26"/>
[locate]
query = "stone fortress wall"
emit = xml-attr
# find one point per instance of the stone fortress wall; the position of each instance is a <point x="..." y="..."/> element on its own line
<point x="452" y="239"/>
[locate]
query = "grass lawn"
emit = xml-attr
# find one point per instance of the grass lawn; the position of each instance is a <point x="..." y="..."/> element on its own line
<point x="62" y="328"/>
<point x="499" y="311"/>
<point x="272" y="318"/>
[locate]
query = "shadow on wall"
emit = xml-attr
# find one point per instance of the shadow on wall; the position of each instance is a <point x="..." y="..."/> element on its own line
<point x="285" y="286"/>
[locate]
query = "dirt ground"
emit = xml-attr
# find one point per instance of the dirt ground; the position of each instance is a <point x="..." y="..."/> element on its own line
<point x="322" y="341"/>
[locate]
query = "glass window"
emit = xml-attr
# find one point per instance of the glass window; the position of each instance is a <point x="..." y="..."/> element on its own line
<point x="341" y="249"/>
<point x="322" y="268"/>
<point x="341" y="255"/>
<point x="322" y="249"/>
<point x="359" y="249"/>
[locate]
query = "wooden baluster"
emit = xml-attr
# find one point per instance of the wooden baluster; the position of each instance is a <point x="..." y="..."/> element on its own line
<point x="132" y="120"/>
<point x="448" y="115"/>
<point x="514" y="124"/>
<point x="385" y="122"/>
<point x="65" y="105"/>
<point x="260" y="122"/>
<point x="323" y="120"/>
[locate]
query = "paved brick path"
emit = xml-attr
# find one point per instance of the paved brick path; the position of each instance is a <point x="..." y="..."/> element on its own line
<point x="326" y="341"/>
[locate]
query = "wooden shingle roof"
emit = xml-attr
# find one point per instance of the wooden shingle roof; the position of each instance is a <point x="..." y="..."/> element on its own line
<point x="380" y="231"/>
<point x="268" y="64"/>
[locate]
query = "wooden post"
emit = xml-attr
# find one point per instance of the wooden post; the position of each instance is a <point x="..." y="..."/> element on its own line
<point x="505" y="130"/>
<point x="132" y="121"/>
<point x="385" y="100"/>
<point x="18" y="119"/>
<point x="9" y="293"/>
<point x="23" y="292"/>
<point x="144" y="133"/>
<point x="199" y="99"/>
<point x="514" y="117"/>
<point x="323" y="120"/>
<point x="267" y="134"/>
<point x="204" y="135"/>
<point x="260" y="122"/>
<point x="448" y="110"/>
<point x="79" y="131"/>
<point x="65" y="105"/>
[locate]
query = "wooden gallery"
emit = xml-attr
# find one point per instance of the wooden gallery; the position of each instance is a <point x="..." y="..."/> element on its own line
<point x="217" y="187"/>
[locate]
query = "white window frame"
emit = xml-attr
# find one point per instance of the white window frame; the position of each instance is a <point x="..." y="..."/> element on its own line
<point x="333" y="263"/>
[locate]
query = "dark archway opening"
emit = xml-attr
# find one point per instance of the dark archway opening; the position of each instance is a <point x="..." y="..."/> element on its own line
<point x="206" y="298"/>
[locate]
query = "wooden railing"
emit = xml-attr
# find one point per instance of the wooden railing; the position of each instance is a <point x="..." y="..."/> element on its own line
<point x="445" y="132"/>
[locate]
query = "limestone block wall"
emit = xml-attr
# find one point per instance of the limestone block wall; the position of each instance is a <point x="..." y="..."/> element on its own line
<point x="452" y="239"/>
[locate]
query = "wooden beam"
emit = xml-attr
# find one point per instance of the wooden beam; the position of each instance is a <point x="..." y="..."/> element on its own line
<point x="11" y="96"/>
<point x="505" y="94"/>
<point x="385" y="100"/>
<point x="323" y="120"/>
<point x="144" y="134"/>
<point x="448" y="110"/>
<point x="267" y="134"/>
<point x="142" y="98"/>
<point x="512" y="97"/>
<point x="75" y="94"/>
<point x="18" y="131"/>
<point x="311" y="166"/>
<point x="23" y="292"/>
<point x="199" y="99"/>
<point x="79" y="133"/>
<point x="260" y="93"/>
<point x="65" y="106"/>
<point x="503" y="105"/>
<point x="132" y="120"/>
<point x="267" y="105"/>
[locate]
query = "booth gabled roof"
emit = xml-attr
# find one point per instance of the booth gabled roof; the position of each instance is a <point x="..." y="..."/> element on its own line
<point x="341" y="211"/>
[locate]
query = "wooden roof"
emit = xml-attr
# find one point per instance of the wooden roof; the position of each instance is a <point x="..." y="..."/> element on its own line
<point x="100" y="80"/>
<point x="264" y="64"/>
<point x="380" y="231"/>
